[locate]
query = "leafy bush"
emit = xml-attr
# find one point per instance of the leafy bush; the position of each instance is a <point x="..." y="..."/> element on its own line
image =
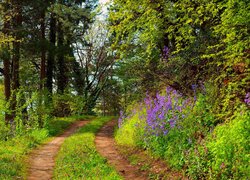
<point x="4" y="130"/>
<point x="225" y="152"/>
<point x="67" y="105"/>
<point x="229" y="148"/>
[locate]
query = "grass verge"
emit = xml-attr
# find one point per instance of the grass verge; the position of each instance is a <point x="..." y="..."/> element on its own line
<point x="78" y="158"/>
<point x="14" y="152"/>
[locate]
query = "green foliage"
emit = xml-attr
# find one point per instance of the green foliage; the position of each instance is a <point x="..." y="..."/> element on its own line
<point x="206" y="41"/>
<point x="14" y="151"/>
<point x="33" y="110"/>
<point x="234" y="29"/>
<point x="30" y="111"/>
<point x="229" y="147"/>
<point x="61" y="105"/>
<point x="225" y="152"/>
<point x="138" y="21"/>
<point x="78" y="158"/>
<point x="129" y="133"/>
<point x="4" y="129"/>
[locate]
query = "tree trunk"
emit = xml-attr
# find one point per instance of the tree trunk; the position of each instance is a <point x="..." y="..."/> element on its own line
<point x="15" y="65"/>
<point x="6" y="66"/>
<point x="43" y="52"/>
<point x="51" y="56"/>
<point x="7" y="81"/>
<point x="62" y="78"/>
<point x="5" y="55"/>
<point x="17" y="24"/>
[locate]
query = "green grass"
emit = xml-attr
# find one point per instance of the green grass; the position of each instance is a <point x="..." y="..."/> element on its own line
<point x="78" y="158"/>
<point x="14" y="152"/>
<point x="129" y="134"/>
<point x="58" y="125"/>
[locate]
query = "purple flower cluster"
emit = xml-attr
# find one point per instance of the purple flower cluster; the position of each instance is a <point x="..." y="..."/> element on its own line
<point x="247" y="99"/>
<point x="123" y="116"/>
<point x="165" y="52"/>
<point x="163" y="112"/>
<point x="121" y="119"/>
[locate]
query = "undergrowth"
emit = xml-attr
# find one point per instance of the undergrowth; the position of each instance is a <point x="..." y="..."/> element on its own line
<point x="189" y="135"/>
<point x="78" y="158"/>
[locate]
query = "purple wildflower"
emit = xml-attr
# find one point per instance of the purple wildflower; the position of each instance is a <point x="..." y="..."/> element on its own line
<point x="172" y="123"/>
<point x="121" y="119"/>
<point x="247" y="99"/>
<point x="194" y="87"/>
<point x="162" y="110"/>
<point x="165" y="132"/>
<point x="165" y="52"/>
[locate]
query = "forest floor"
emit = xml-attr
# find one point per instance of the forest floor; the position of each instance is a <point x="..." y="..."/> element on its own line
<point x="42" y="160"/>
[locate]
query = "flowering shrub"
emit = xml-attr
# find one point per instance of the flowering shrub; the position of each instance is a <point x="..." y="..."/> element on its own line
<point x="158" y="118"/>
<point x="188" y="134"/>
<point x="247" y="99"/>
<point x="164" y="111"/>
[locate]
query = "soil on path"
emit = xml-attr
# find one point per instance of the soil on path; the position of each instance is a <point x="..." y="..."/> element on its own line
<point x="106" y="147"/>
<point x="42" y="160"/>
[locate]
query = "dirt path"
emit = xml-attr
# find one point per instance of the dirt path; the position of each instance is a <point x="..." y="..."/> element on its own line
<point x="42" y="160"/>
<point x="106" y="147"/>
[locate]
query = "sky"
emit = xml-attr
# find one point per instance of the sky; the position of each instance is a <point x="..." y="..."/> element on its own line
<point x="103" y="1"/>
<point x="104" y="9"/>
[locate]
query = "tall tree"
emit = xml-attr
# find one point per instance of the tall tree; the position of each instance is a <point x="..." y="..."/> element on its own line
<point x="61" y="63"/>
<point x="43" y="47"/>
<point x="51" y="55"/>
<point x="6" y="57"/>
<point x="17" y="25"/>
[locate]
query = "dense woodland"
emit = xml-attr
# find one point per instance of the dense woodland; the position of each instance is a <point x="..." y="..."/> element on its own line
<point x="175" y="71"/>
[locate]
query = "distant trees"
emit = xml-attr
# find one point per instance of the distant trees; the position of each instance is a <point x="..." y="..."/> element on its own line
<point x="37" y="39"/>
<point x="95" y="63"/>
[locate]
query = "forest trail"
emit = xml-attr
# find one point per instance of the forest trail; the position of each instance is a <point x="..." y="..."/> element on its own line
<point x="42" y="160"/>
<point x="105" y="145"/>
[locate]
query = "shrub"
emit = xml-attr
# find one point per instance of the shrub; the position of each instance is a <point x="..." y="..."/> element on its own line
<point x="229" y="148"/>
